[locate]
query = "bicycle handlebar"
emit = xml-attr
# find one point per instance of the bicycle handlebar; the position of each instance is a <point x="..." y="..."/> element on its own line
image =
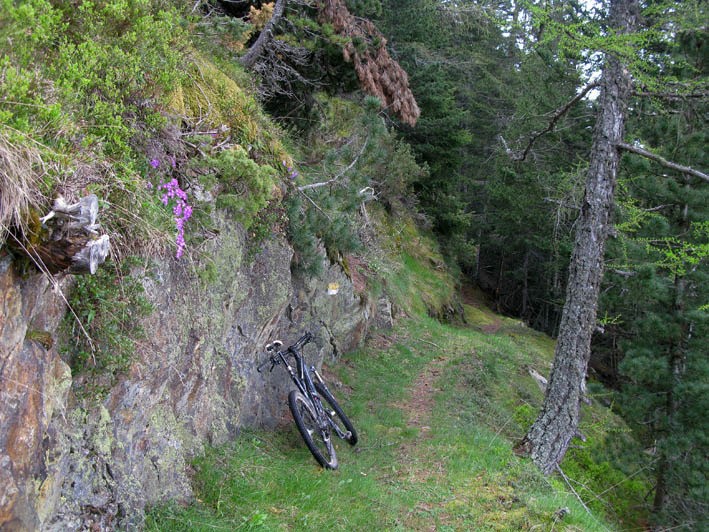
<point x="307" y="337"/>
<point x="302" y="341"/>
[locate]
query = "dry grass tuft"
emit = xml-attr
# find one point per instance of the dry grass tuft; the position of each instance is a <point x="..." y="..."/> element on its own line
<point x="21" y="170"/>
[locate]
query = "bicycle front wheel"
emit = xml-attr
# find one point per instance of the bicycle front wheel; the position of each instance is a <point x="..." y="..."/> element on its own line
<point x="338" y="417"/>
<point x="318" y="441"/>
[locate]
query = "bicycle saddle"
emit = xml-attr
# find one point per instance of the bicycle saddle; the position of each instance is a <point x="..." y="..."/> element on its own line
<point x="273" y="345"/>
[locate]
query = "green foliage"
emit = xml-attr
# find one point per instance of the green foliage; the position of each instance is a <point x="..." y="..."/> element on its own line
<point x="657" y="286"/>
<point x="270" y="220"/>
<point x="245" y="187"/>
<point x="114" y="57"/>
<point x="100" y="60"/>
<point x="607" y="487"/>
<point x="221" y="36"/>
<point x="356" y="159"/>
<point x="29" y="105"/>
<point x="103" y="328"/>
<point x="99" y="73"/>
<point x="365" y="8"/>
<point x="24" y="95"/>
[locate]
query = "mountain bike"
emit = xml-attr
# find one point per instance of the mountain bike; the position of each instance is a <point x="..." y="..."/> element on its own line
<point x="315" y="411"/>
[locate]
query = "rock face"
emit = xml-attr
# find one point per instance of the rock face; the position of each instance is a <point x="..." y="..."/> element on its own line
<point x="72" y="463"/>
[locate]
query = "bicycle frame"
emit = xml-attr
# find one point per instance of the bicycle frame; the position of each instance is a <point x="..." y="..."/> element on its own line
<point x="301" y="376"/>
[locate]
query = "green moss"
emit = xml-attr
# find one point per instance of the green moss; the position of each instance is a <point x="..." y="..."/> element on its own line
<point x="43" y="337"/>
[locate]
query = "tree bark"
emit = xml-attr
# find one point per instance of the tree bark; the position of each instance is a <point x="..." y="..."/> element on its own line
<point x="550" y="435"/>
<point x="249" y="58"/>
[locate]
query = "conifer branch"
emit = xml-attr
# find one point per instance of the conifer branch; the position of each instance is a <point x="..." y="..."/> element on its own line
<point x="664" y="162"/>
<point x="338" y="176"/>
<point x="379" y="74"/>
<point x="556" y="116"/>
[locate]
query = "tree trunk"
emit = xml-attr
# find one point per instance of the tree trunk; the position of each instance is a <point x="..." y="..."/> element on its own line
<point x="549" y="437"/>
<point x="249" y="58"/>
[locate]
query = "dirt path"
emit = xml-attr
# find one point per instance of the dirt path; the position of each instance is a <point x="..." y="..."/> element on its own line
<point x="418" y="409"/>
<point x="419" y="405"/>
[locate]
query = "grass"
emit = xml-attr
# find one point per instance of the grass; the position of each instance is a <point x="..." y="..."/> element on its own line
<point x="439" y="459"/>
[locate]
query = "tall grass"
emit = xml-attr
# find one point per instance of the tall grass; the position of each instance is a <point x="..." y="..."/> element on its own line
<point x="20" y="177"/>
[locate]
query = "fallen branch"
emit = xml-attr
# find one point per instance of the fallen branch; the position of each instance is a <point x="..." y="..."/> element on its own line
<point x="431" y="343"/>
<point x="314" y="204"/>
<point x="664" y="162"/>
<point x="568" y="483"/>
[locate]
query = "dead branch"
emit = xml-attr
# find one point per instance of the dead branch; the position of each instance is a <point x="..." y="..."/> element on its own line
<point x="278" y="70"/>
<point x="556" y="116"/>
<point x="664" y="162"/>
<point x="314" y="204"/>
<point x="338" y="176"/>
<point x="671" y="95"/>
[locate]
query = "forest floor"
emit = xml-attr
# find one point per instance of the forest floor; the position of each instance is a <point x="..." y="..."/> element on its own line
<point x="438" y="408"/>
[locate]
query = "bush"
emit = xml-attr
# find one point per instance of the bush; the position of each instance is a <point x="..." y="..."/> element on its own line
<point x="245" y="187"/>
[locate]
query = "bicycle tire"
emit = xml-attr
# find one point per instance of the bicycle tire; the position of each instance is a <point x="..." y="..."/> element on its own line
<point x="335" y="411"/>
<point x="319" y="444"/>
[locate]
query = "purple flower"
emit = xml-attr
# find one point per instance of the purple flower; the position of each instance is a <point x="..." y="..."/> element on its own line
<point x="181" y="210"/>
<point x="154" y="163"/>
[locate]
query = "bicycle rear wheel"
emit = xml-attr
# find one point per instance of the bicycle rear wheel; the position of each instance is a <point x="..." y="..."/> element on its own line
<point x="338" y="417"/>
<point x="318" y="441"/>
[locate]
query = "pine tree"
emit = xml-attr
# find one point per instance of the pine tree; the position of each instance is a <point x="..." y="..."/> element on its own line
<point x="549" y="437"/>
<point x="657" y="288"/>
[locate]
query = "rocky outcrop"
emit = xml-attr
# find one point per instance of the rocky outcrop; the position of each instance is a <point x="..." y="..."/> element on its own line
<point x="69" y="462"/>
<point x="34" y="386"/>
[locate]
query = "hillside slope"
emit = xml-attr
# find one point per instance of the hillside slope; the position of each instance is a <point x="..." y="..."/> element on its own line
<point x="438" y="408"/>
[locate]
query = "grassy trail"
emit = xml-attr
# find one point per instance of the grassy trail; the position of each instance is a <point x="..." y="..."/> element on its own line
<point x="437" y="408"/>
